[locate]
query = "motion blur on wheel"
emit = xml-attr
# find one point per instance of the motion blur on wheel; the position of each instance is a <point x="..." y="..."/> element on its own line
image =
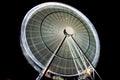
<point x="60" y="42"/>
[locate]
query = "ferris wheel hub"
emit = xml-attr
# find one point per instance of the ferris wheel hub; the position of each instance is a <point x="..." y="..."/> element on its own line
<point x="68" y="31"/>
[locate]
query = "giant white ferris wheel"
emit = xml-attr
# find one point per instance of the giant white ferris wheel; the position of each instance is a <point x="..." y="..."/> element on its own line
<point x="60" y="40"/>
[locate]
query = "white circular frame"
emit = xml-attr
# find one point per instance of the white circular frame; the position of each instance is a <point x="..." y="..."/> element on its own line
<point x="25" y="47"/>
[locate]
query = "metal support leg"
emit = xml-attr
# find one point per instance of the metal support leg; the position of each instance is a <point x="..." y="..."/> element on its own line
<point x="40" y="77"/>
<point x="87" y="59"/>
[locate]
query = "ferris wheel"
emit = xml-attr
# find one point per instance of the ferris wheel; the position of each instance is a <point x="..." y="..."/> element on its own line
<point x="60" y="40"/>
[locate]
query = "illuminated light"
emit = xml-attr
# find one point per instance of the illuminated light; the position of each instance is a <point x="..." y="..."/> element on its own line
<point x="88" y="72"/>
<point x="48" y="74"/>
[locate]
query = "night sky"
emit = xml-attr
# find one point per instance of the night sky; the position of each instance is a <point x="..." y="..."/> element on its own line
<point x="14" y="66"/>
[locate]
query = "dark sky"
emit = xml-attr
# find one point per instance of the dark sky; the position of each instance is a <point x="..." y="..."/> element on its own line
<point x="14" y="65"/>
